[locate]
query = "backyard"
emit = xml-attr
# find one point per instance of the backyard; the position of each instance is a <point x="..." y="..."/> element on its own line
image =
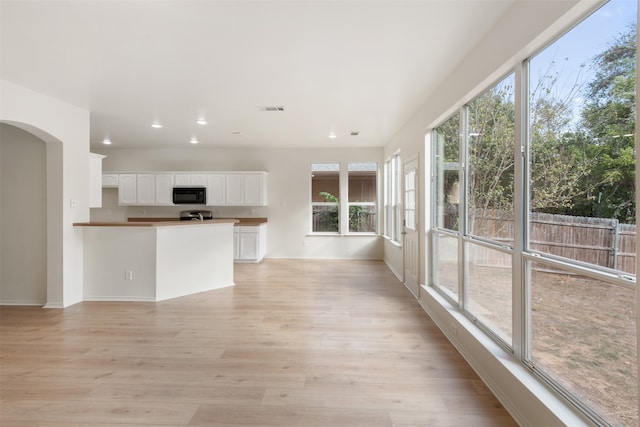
<point x="583" y="332"/>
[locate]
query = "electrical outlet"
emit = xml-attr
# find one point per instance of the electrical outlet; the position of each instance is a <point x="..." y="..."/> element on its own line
<point x="454" y="328"/>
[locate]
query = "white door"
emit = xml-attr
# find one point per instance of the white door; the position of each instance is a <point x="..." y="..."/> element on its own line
<point x="410" y="232"/>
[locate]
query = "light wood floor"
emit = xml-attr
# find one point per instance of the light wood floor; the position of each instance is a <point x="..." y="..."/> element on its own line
<point x="294" y="343"/>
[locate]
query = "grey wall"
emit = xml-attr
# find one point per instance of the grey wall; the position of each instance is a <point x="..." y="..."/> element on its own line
<point x="23" y="217"/>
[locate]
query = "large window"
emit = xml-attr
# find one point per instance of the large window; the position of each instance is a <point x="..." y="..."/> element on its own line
<point x="338" y="188"/>
<point x="534" y="231"/>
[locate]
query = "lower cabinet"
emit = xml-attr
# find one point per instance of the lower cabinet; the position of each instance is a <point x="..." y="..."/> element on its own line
<point x="249" y="243"/>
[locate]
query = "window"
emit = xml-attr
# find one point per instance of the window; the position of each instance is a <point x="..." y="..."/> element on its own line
<point x="490" y="142"/>
<point x="393" y="204"/>
<point x="362" y="197"/>
<point x="325" y="194"/>
<point x="582" y="214"/>
<point x="534" y="232"/>
<point x="337" y="188"/>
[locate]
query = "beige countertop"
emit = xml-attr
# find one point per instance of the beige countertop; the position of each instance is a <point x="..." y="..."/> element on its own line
<point x="155" y="222"/>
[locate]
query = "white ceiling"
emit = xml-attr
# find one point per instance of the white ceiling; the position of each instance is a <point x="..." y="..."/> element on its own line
<point x="335" y="66"/>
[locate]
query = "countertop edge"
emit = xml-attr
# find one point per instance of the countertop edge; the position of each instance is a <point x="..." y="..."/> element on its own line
<point x="154" y="223"/>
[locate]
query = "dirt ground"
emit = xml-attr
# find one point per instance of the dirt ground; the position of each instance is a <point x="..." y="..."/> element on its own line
<point x="583" y="333"/>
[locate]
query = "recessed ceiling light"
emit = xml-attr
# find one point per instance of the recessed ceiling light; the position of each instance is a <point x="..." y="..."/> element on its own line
<point x="201" y="122"/>
<point x="156" y="125"/>
<point x="106" y="141"/>
<point x="194" y="140"/>
<point x="332" y="135"/>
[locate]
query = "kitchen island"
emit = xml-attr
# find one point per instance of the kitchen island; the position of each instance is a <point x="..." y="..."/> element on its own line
<point x="156" y="260"/>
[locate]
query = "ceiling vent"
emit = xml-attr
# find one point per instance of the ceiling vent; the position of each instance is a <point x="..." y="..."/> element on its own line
<point x="272" y="108"/>
<point x="355" y="133"/>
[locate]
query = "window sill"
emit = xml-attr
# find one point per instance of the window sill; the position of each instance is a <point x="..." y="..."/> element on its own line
<point x="524" y="396"/>
<point x="393" y="242"/>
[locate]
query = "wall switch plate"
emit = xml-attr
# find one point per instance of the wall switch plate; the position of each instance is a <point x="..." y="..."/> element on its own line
<point x="128" y="275"/>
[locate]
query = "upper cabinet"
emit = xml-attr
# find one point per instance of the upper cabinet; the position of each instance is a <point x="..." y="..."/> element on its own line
<point x="156" y="188"/>
<point x="190" y="179"/>
<point x="245" y="189"/>
<point x="95" y="180"/>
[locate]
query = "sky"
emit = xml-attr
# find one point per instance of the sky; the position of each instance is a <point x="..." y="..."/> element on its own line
<point x="582" y="43"/>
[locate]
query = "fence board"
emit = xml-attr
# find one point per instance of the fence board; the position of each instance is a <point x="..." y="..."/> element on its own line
<point x="598" y="241"/>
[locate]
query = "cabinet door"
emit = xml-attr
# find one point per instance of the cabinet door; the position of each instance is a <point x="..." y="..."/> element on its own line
<point x="248" y="246"/>
<point x="146" y="188"/>
<point x="216" y="189"/>
<point x="198" y="179"/>
<point x="127" y="186"/>
<point x="182" y="178"/>
<point x="254" y="189"/>
<point x="164" y="189"/>
<point x="234" y="189"/>
<point x="109" y="180"/>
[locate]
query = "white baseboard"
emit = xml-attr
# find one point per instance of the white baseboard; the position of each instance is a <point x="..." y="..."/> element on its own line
<point x="22" y="302"/>
<point x="53" y="305"/>
<point x="118" y="299"/>
<point x="398" y="275"/>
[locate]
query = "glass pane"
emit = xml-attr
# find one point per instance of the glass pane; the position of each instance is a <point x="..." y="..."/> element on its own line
<point x="489" y="286"/>
<point x="583" y="334"/>
<point x="362" y="218"/>
<point x="447" y="182"/>
<point x="410" y="199"/>
<point x="325" y="218"/>
<point x="445" y="249"/>
<point x="582" y="124"/>
<point x="362" y="182"/>
<point x="325" y="182"/>
<point x="491" y="163"/>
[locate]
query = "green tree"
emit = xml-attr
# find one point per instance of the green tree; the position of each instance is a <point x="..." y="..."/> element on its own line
<point x="609" y="120"/>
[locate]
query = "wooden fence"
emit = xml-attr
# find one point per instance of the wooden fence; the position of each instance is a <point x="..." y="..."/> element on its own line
<point x="599" y="241"/>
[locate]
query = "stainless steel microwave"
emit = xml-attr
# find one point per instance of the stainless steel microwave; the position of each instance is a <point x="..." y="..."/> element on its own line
<point x="189" y="195"/>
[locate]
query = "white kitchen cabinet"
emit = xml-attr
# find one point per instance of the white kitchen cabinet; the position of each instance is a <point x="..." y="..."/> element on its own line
<point x="127" y="189"/>
<point x="164" y="189"/>
<point x="250" y="243"/>
<point x="146" y="191"/>
<point x="95" y="180"/>
<point x="234" y="189"/>
<point x="246" y="189"/>
<point x="255" y="189"/>
<point x="216" y="189"/>
<point x="192" y="179"/>
<point x="109" y="180"/>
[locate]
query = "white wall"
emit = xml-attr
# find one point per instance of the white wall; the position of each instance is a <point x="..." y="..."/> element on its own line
<point x="289" y="182"/>
<point x="23" y="218"/>
<point x="65" y="130"/>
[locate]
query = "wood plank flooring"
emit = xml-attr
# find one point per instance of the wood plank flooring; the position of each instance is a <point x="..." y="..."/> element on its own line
<point x="294" y="343"/>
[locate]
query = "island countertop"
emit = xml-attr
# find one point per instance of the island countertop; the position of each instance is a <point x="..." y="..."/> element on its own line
<point x="151" y="222"/>
<point x="240" y="221"/>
